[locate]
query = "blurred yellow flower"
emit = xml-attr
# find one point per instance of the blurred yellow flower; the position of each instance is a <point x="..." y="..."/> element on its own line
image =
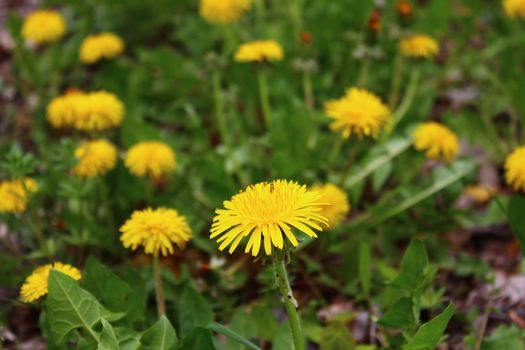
<point x="514" y="8"/>
<point x="223" y="11"/>
<point x="99" y="110"/>
<point x="266" y="212"/>
<point x="515" y="169"/>
<point x="61" y="111"/>
<point x="480" y="194"/>
<point x="437" y="141"/>
<point x="95" y="158"/>
<point x="419" y="46"/>
<point x="150" y="158"/>
<point x="99" y="46"/>
<point x="259" y="51"/>
<point x="44" y="26"/>
<point x="35" y="285"/>
<point x="358" y="112"/>
<point x="14" y="195"/>
<point x="95" y="111"/>
<point x="335" y="200"/>
<point x="155" y="230"/>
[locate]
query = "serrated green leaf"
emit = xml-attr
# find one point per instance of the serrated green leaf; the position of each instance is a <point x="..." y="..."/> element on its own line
<point x="160" y="336"/>
<point x="198" y="338"/>
<point x="400" y="315"/>
<point x="517" y="219"/>
<point x="70" y="307"/>
<point x="113" y="292"/>
<point x="413" y="265"/>
<point x="336" y="336"/>
<point x="428" y="335"/>
<point x="108" y="339"/>
<point x="194" y="310"/>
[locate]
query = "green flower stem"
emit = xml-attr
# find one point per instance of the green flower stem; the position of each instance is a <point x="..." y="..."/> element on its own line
<point x="263" y="95"/>
<point x="336" y="150"/>
<point x="159" y="292"/>
<point x="396" y="81"/>
<point x="289" y="301"/>
<point x="219" y="107"/>
<point x="363" y="72"/>
<point x="308" y="90"/>
<point x="401" y="111"/>
<point x="296" y="19"/>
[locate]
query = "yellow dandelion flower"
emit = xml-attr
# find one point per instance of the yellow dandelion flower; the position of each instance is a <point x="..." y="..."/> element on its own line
<point x="266" y="212"/>
<point x="514" y="8"/>
<point x="97" y="47"/>
<point x="419" y="46"/>
<point x="480" y="194"/>
<point x="357" y="112"/>
<point x="155" y="230"/>
<point x="336" y="203"/>
<point x="223" y="11"/>
<point x="35" y="285"/>
<point x="150" y="159"/>
<point x="99" y="110"/>
<point x="14" y="195"/>
<point x="61" y="111"/>
<point x="44" y="26"/>
<point x="515" y="169"/>
<point x="437" y="141"/>
<point x="95" y="158"/>
<point x="259" y="51"/>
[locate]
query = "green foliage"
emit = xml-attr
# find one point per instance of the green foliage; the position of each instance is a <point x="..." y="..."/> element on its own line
<point x="160" y="336"/>
<point x="517" y="219"/>
<point x="195" y="311"/>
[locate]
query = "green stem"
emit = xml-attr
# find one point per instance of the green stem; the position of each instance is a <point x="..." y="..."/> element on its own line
<point x="159" y="292"/>
<point x="308" y="90"/>
<point x="289" y="302"/>
<point x="336" y="150"/>
<point x="363" y="73"/>
<point x="263" y="95"/>
<point x="296" y="19"/>
<point x="401" y="111"/>
<point x="219" y="107"/>
<point x="396" y="81"/>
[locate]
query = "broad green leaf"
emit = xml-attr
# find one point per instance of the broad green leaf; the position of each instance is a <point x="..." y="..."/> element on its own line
<point x="365" y="266"/>
<point x="504" y="337"/>
<point x="413" y="266"/>
<point x="198" y="338"/>
<point x="113" y="292"/>
<point x="108" y="339"/>
<point x="70" y="307"/>
<point x="400" y="315"/>
<point x="194" y="310"/>
<point x="160" y="336"/>
<point x="217" y="327"/>
<point x="428" y="335"/>
<point x="516" y="213"/>
<point x="336" y="336"/>
<point x="282" y="339"/>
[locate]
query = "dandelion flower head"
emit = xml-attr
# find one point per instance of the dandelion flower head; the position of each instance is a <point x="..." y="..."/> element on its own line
<point x="419" y="46"/>
<point x="514" y="8"/>
<point x="223" y="11"/>
<point x="336" y="203"/>
<point x="99" y="46"/>
<point x="515" y="169"/>
<point x="150" y="159"/>
<point x="95" y="158"/>
<point x="156" y="230"/>
<point x="36" y="285"/>
<point x="44" y="26"/>
<point x="358" y="112"/>
<point x="265" y="213"/>
<point x="437" y="141"/>
<point x="14" y="195"/>
<point x="259" y="51"/>
<point x="61" y="111"/>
